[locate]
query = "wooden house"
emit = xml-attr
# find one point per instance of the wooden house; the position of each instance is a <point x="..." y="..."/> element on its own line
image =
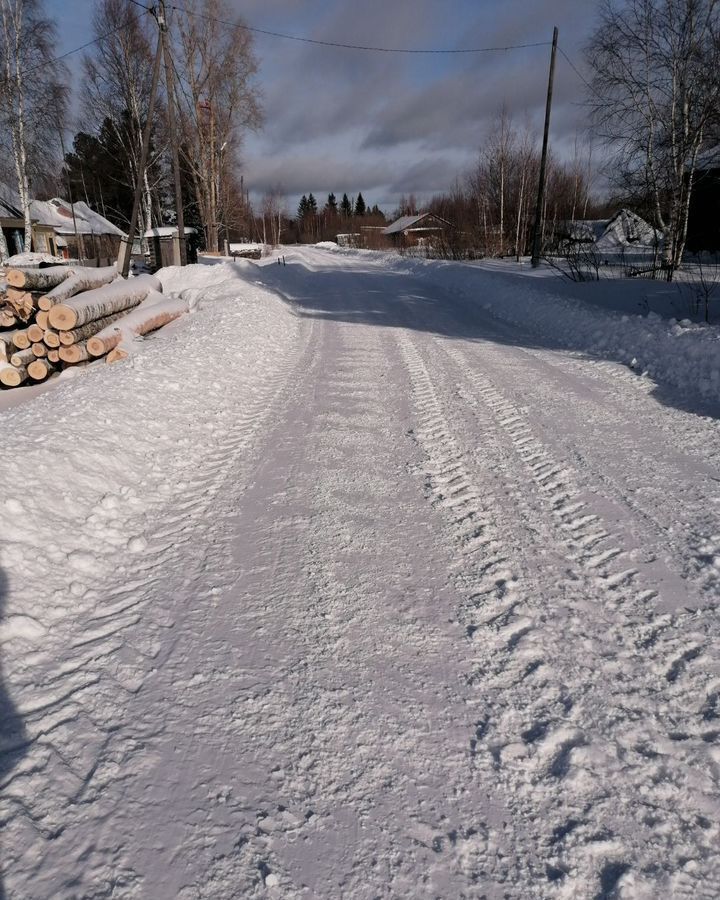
<point x="74" y="231"/>
<point x="11" y="220"/>
<point x="411" y="231"/>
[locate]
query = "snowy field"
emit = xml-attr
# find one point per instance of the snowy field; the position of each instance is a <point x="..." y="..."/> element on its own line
<point x="370" y="578"/>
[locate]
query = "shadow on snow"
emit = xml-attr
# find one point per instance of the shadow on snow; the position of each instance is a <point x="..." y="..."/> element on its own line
<point x="370" y="295"/>
<point x="12" y="732"/>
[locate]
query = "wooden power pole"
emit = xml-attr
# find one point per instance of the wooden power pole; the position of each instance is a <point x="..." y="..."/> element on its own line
<point x="539" y="223"/>
<point x="126" y="244"/>
<point x="162" y="52"/>
<point x="170" y="88"/>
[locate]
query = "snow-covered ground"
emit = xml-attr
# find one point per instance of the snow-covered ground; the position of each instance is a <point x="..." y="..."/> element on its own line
<point x="368" y="578"/>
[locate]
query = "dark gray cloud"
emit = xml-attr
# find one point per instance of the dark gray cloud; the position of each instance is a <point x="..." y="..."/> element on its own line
<point x="390" y="123"/>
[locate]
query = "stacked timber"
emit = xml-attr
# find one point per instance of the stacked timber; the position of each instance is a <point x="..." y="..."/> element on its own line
<point x="57" y="312"/>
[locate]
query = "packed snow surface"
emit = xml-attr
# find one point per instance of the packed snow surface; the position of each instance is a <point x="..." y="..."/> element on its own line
<point x="366" y="578"/>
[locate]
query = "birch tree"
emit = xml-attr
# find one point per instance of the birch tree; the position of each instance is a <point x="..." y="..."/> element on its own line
<point x="118" y="77"/>
<point x="32" y="94"/>
<point x="218" y="101"/>
<point x="655" y="95"/>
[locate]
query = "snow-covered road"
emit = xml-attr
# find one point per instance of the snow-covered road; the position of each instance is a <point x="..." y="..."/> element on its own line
<point x="366" y="592"/>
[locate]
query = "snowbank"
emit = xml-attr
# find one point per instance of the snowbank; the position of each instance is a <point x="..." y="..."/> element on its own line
<point x="675" y="352"/>
<point x="681" y="354"/>
<point x="99" y="477"/>
<point x="34" y="259"/>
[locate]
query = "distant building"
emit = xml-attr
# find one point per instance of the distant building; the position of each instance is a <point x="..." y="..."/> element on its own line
<point x="348" y="240"/>
<point x="410" y="231"/>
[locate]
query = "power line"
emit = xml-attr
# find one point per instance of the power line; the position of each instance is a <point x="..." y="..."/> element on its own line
<point x="344" y="46"/>
<point x="96" y="40"/>
<point x="577" y="71"/>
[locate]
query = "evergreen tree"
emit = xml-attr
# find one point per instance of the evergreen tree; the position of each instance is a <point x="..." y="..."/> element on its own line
<point x="360" y="205"/>
<point x="376" y="211"/>
<point x="303" y="207"/>
<point x="346" y="206"/>
<point x="331" y="205"/>
<point x="311" y="205"/>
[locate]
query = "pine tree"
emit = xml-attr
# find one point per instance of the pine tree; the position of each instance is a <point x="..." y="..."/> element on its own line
<point x="360" y="205"/>
<point x="303" y="207"/>
<point x="331" y="205"/>
<point x="346" y="206"/>
<point x="311" y="205"/>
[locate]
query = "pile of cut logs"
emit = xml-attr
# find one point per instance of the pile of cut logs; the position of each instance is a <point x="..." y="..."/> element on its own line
<point x="64" y="315"/>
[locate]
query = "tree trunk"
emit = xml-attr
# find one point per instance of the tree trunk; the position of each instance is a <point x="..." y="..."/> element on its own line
<point x="38" y="279"/>
<point x="80" y="279"/>
<point x="4" y="253"/>
<point x="87" y="331"/>
<point x="138" y="322"/>
<point x="103" y="301"/>
<point x="22" y="358"/>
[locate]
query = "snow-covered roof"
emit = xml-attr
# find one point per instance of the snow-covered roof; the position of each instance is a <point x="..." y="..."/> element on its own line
<point x="10" y="206"/>
<point x="406" y="222"/>
<point x="624" y="229"/>
<point x="166" y="231"/>
<point x="58" y="214"/>
<point x="586" y="229"/>
<point x="627" y="229"/>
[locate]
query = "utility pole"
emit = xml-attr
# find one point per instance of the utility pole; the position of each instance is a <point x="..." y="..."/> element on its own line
<point x="78" y="243"/>
<point x="126" y="244"/>
<point x="170" y="87"/>
<point x="539" y="223"/>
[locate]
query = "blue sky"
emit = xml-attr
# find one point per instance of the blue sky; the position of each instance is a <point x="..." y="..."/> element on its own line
<point x="388" y="124"/>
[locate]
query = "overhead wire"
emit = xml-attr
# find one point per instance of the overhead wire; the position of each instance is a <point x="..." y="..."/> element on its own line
<point x="577" y="71"/>
<point x="84" y="46"/>
<point x="348" y="46"/>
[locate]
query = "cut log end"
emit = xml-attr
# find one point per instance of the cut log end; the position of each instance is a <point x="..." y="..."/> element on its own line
<point x="21" y="340"/>
<point x="62" y="318"/>
<point x="13" y="377"/>
<point x="40" y="369"/>
<point x="39" y="349"/>
<point x="116" y="355"/>
<point x="74" y="354"/>
<point x="98" y="346"/>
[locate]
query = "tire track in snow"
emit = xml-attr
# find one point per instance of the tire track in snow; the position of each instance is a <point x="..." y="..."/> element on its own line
<point x="560" y="730"/>
<point x="350" y="714"/>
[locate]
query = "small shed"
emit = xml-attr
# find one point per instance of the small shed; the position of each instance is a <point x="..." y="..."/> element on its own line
<point x="160" y="242"/>
<point x="410" y="231"/>
<point x="348" y="240"/>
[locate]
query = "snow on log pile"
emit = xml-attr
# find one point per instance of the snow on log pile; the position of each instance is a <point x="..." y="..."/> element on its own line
<point x="49" y="316"/>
